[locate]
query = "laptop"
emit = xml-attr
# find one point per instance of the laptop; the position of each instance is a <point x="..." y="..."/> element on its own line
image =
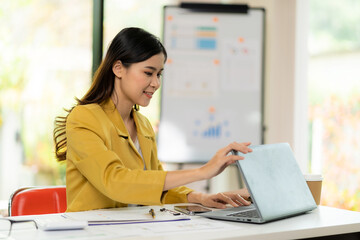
<point x="276" y="185"/>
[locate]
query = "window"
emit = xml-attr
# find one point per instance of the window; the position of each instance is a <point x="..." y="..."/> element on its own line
<point x="334" y="99"/>
<point x="45" y="61"/>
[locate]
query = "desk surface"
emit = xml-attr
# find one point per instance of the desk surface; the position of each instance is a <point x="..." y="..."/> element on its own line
<point x="323" y="221"/>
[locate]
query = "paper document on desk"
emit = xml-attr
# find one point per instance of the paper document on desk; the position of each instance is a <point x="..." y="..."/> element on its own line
<point x="124" y="216"/>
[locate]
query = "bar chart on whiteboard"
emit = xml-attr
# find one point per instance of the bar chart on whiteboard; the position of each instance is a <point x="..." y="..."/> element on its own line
<point x="212" y="83"/>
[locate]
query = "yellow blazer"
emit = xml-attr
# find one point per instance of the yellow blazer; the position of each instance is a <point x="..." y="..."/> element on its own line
<point x="104" y="169"/>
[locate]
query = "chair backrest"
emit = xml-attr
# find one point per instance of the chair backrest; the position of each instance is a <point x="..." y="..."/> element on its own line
<point x="38" y="200"/>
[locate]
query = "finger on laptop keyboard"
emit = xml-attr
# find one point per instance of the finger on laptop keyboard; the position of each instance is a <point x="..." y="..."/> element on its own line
<point x="242" y="200"/>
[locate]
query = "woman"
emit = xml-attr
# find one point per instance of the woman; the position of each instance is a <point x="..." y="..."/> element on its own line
<point x="110" y="147"/>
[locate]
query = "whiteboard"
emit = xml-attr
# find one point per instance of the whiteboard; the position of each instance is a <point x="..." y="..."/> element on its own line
<point x="212" y="89"/>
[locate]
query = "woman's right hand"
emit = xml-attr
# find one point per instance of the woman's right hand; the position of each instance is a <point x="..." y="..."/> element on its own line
<point x="216" y="165"/>
<point x="222" y="159"/>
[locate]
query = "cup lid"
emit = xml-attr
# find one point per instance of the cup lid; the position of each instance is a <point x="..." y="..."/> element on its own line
<point x="313" y="177"/>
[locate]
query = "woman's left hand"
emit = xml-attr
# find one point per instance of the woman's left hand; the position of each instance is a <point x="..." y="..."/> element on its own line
<point x="220" y="200"/>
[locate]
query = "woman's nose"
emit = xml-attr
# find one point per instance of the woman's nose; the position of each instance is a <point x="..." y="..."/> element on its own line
<point x="155" y="82"/>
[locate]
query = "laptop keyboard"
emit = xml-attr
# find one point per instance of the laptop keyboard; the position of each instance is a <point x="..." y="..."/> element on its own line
<point x="248" y="214"/>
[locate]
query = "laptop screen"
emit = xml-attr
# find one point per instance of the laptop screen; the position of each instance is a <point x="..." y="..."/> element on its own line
<point x="275" y="181"/>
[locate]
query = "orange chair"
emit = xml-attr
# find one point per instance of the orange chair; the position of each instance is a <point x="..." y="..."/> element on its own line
<point x="38" y="200"/>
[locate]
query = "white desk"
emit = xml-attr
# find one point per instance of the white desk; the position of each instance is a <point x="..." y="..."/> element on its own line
<point x="323" y="221"/>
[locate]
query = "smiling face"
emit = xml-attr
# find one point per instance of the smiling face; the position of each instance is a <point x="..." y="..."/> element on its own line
<point x="137" y="83"/>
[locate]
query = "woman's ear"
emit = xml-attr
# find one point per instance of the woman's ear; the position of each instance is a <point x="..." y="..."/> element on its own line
<point x="118" y="68"/>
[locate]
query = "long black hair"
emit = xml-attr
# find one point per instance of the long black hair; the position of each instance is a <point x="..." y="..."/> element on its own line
<point x="130" y="45"/>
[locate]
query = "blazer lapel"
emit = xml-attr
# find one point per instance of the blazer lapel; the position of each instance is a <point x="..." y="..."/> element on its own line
<point x="118" y="122"/>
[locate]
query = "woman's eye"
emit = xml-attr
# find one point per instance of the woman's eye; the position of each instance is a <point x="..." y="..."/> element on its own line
<point x="148" y="73"/>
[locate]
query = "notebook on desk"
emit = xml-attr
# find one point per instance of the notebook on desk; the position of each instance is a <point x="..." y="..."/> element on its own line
<point x="276" y="185"/>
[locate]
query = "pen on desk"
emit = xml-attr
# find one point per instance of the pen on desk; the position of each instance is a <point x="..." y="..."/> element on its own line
<point x="152" y="213"/>
<point x="170" y="211"/>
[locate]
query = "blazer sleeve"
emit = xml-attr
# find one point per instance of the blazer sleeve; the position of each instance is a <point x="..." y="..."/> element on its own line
<point x="87" y="149"/>
<point x="175" y="195"/>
